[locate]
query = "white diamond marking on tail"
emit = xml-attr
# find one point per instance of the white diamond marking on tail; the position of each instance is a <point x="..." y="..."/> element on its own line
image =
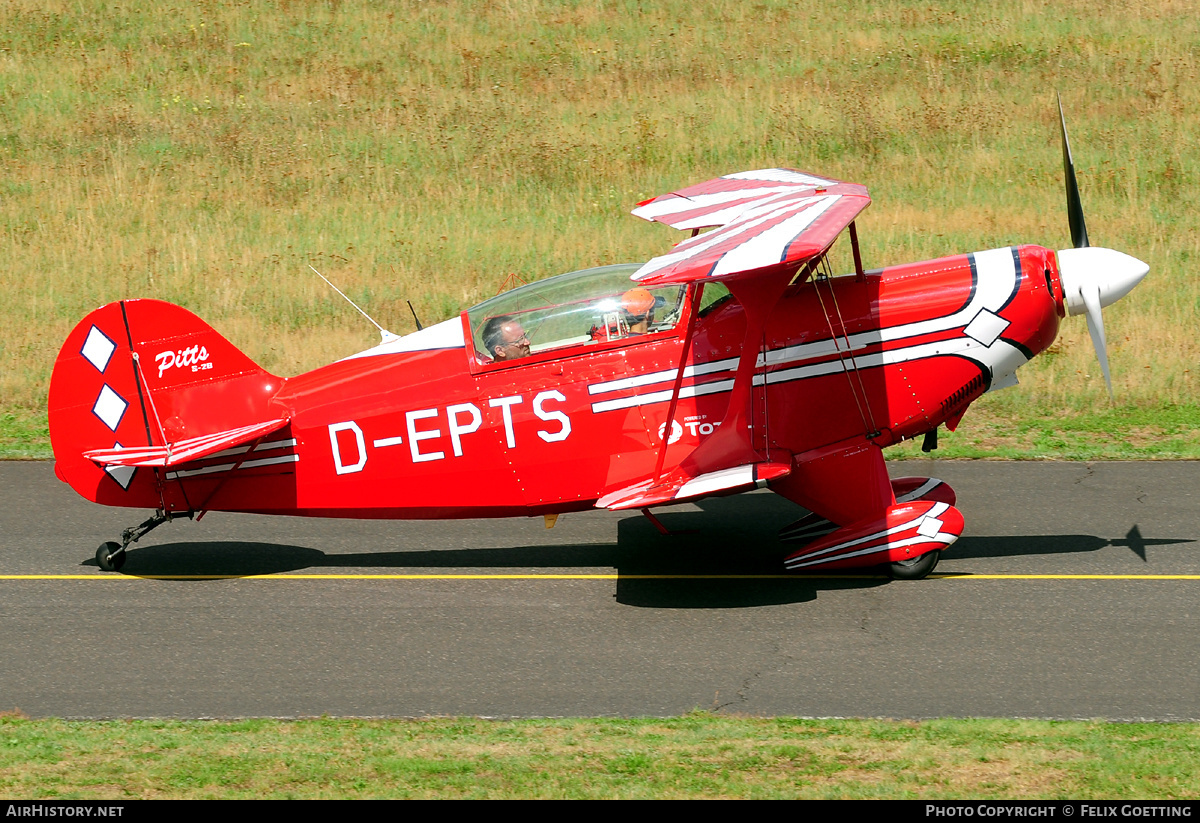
<point x="110" y="407"/>
<point x="122" y="474"/>
<point x="98" y="349"/>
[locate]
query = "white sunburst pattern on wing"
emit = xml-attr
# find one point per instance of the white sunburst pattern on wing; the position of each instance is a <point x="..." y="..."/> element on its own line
<point x="720" y="201"/>
<point x="705" y="210"/>
<point x="796" y="178"/>
<point x="759" y="237"/>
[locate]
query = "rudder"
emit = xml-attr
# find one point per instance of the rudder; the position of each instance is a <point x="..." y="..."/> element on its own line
<point x="145" y="373"/>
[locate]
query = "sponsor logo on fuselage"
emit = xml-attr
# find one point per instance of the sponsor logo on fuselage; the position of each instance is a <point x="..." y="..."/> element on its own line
<point x="696" y="426"/>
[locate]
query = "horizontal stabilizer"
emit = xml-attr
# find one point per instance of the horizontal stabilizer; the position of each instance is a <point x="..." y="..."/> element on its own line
<point x="184" y="451"/>
<point x="680" y="487"/>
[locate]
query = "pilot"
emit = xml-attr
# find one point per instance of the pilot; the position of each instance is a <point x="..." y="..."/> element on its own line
<point x="638" y="305"/>
<point x="505" y="339"/>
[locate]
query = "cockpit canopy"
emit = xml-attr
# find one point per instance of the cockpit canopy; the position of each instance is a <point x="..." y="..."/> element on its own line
<point x="581" y="307"/>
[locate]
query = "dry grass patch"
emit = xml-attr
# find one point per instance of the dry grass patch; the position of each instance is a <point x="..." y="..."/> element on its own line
<point x="207" y="155"/>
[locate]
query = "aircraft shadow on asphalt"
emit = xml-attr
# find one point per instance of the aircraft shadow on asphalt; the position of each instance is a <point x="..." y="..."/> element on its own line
<point x="979" y="547"/>
<point x="731" y="539"/>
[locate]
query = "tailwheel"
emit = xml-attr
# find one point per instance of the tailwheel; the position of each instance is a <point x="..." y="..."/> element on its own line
<point x="916" y="568"/>
<point x="110" y="556"/>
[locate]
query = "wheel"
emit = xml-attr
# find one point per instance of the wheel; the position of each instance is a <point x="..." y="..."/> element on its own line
<point x="916" y="568"/>
<point x="109" y="556"/>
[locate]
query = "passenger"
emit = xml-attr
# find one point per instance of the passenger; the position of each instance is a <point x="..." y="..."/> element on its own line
<point x="638" y="305"/>
<point x="505" y="339"/>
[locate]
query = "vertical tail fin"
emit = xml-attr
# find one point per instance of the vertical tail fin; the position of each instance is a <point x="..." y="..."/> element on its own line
<point x="145" y="373"/>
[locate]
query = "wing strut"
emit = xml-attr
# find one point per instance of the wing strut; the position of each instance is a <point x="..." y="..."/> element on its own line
<point x="695" y="290"/>
<point x="860" y="391"/>
<point x="144" y="397"/>
<point x="203" y="507"/>
<point x="859" y="274"/>
<point x="137" y="367"/>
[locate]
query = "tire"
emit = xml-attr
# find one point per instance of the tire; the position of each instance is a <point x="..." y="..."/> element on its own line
<point x="917" y="568"/>
<point x="109" y="557"/>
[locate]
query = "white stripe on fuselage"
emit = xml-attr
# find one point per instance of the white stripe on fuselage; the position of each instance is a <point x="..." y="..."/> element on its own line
<point x="1000" y="357"/>
<point x="717" y="387"/>
<point x="224" y="467"/>
<point x="996" y="281"/>
<point x="667" y="376"/>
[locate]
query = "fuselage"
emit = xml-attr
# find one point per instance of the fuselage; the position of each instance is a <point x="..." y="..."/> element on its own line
<point x="429" y="426"/>
<point x="438" y="433"/>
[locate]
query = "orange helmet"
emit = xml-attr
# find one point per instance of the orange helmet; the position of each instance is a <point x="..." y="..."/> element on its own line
<point x="638" y="302"/>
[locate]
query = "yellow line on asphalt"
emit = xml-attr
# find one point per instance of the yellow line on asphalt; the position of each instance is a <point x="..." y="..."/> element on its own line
<point x="598" y="576"/>
<point x="287" y="576"/>
<point x="970" y="576"/>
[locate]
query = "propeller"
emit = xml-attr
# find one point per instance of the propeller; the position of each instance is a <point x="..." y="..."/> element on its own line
<point x="1092" y="278"/>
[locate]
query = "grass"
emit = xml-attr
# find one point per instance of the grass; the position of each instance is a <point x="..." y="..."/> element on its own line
<point x="995" y="430"/>
<point x="699" y="755"/>
<point x="207" y="154"/>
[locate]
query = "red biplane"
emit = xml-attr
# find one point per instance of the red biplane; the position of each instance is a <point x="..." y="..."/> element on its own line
<point x="733" y="362"/>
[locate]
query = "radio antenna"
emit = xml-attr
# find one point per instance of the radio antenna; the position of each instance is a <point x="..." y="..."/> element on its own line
<point x="385" y="336"/>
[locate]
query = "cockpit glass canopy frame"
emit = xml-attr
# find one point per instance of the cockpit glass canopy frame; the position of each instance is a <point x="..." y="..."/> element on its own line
<point x="579" y="311"/>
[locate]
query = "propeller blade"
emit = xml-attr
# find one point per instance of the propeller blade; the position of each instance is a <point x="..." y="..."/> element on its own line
<point x="1079" y="237"/>
<point x="1095" y="321"/>
<point x="1093" y="278"/>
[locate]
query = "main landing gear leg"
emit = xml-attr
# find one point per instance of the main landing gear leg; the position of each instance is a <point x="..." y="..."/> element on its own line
<point x="663" y="529"/>
<point x="111" y="556"/>
<point x="657" y="523"/>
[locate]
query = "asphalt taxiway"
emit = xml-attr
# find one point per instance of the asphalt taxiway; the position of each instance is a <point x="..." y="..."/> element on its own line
<point x="1074" y="593"/>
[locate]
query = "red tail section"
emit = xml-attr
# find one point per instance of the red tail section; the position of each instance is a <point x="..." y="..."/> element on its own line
<point x="144" y="373"/>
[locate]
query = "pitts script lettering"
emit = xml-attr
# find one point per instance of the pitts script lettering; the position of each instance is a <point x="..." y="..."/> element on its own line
<point x="193" y="356"/>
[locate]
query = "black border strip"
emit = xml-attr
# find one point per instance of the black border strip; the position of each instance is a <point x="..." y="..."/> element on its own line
<point x="137" y="378"/>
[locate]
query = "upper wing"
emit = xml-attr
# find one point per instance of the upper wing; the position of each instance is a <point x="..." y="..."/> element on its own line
<point x="764" y="219"/>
